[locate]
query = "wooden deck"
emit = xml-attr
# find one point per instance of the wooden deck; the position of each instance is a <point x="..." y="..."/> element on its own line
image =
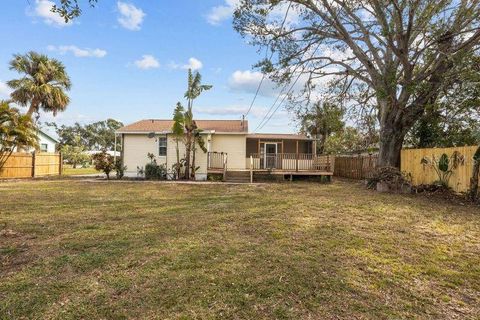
<point x="277" y="164"/>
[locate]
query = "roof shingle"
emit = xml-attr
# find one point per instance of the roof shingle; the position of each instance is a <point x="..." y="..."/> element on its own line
<point x="156" y="125"/>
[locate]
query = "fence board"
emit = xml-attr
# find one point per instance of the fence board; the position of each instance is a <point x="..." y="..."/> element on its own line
<point x="355" y="167"/>
<point x="425" y="174"/>
<point x="20" y="165"/>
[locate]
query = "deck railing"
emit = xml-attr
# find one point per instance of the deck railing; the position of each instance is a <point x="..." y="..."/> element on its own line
<point x="290" y="162"/>
<point x="216" y="160"/>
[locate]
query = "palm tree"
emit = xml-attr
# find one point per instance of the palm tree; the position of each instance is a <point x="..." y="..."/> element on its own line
<point x="321" y="122"/>
<point x="197" y="140"/>
<point x="42" y="85"/>
<point x="194" y="89"/>
<point x="178" y="132"/>
<point x="16" y="131"/>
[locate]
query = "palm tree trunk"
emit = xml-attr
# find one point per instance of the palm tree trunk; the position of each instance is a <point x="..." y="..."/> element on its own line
<point x="194" y="151"/>
<point x="33" y="108"/>
<point x="188" y="146"/>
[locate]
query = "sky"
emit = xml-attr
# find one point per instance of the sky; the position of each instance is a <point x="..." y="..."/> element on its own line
<point x="128" y="60"/>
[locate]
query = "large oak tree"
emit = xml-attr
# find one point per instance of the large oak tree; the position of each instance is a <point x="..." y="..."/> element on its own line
<point x="397" y="53"/>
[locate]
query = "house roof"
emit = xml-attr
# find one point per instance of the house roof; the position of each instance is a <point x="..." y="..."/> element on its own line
<point x="157" y="125"/>
<point x="278" y="136"/>
<point x="47" y="136"/>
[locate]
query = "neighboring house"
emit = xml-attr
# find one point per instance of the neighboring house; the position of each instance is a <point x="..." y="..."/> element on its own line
<point x="46" y="143"/>
<point x="227" y="141"/>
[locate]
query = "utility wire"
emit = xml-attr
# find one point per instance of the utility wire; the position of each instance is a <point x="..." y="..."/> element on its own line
<point x="271" y="56"/>
<point x="265" y="120"/>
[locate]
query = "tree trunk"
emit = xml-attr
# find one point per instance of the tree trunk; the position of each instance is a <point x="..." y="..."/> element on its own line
<point x="390" y="148"/>
<point x="188" y="146"/>
<point x="473" y="192"/>
<point x="33" y="108"/>
<point x="321" y="145"/>
<point x="178" y="160"/>
<point x="194" y="151"/>
<point x="394" y="125"/>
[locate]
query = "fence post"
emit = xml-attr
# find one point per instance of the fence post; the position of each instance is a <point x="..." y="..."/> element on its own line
<point x="296" y="156"/>
<point x="60" y="164"/>
<point x="361" y="167"/>
<point x="33" y="164"/>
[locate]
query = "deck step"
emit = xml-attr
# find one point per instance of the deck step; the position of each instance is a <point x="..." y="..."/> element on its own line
<point x="238" y="176"/>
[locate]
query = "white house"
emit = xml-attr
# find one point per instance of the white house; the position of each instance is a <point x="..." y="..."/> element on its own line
<point x="229" y="148"/>
<point x="46" y="142"/>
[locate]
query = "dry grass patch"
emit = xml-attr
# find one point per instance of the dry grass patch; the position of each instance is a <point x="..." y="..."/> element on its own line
<point x="77" y="249"/>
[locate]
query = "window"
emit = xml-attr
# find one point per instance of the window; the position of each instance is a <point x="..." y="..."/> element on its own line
<point x="44" y="147"/>
<point x="162" y="146"/>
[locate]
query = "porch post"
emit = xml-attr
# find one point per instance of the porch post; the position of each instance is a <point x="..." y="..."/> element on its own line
<point x="251" y="169"/>
<point x="296" y="162"/>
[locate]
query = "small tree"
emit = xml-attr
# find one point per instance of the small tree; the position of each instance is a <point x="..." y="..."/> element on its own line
<point x="321" y="121"/>
<point x="74" y="154"/>
<point x="178" y="132"/>
<point x="16" y="132"/>
<point x="104" y="162"/>
<point x="194" y="89"/>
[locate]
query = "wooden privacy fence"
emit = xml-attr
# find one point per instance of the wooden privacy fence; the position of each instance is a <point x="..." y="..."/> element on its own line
<point x="420" y="173"/>
<point x="355" y="167"/>
<point x="28" y="165"/>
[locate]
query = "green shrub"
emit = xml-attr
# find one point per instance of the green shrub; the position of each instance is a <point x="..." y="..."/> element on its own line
<point x="120" y="169"/>
<point x="153" y="171"/>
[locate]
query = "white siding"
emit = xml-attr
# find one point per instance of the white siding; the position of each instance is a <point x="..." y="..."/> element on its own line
<point x="44" y="141"/>
<point x="137" y="146"/>
<point x="235" y="147"/>
<point x="135" y="150"/>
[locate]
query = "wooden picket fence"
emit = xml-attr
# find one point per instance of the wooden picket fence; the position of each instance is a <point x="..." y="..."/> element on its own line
<point x="425" y="174"/>
<point x="355" y="167"/>
<point x="28" y="165"/>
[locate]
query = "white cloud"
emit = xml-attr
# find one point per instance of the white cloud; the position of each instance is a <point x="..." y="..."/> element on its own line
<point x="238" y="111"/>
<point x="248" y="81"/>
<point x="147" y="62"/>
<point x="221" y="13"/>
<point x="131" y="17"/>
<point x="4" y="90"/>
<point x="78" y="52"/>
<point x="43" y="9"/>
<point x="193" y="63"/>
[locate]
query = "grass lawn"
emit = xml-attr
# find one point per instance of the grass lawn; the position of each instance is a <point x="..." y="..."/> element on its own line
<point x="113" y="250"/>
<point x="69" y="171"/>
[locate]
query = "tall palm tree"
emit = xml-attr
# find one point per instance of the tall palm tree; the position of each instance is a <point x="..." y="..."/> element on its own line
<point x="43" y="83"/>
<point x="16" y="131"/>
<point x="194" y="89"/>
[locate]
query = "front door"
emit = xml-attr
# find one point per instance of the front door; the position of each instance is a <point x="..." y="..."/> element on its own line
<point x="270" y="155"/>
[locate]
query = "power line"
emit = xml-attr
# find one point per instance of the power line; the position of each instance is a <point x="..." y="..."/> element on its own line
<point x="264" y="122"/>
<point x="271" y="56"/>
